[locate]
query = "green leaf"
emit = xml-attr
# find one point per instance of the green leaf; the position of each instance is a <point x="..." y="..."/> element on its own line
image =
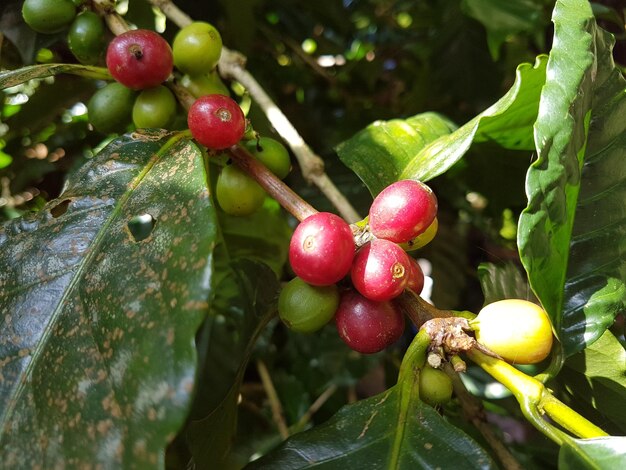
<point x="603" y="453"/>
<point x="503" y="19"/>
<point x="99" y="317"/>
<point x="424" y="146"/>
<point x="508" y="123"/>
<point x="572" y="235"/>
<point x="15" y="77"/>
<point x="393" y="430"/>
<point x="504" y="281"/>
<point x="361" y="436"/>
<point x="244" y="303"/>
<point x="379" y="153"/>
<point x="598" y="376"/>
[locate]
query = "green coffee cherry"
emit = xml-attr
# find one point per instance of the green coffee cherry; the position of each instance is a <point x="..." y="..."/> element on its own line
<point x="306" y="308"/>
<point x="209" y="84"/>
<point x="272" y="154"/>
<point x="197" y="48"/>
<point x="435" y="387"/>
<point x="237" y="193"/>
<point x="154" y="107"/>
<point x="86" y="38"/>
<point x="110" y="108"/>
<point x="48" y="16"/>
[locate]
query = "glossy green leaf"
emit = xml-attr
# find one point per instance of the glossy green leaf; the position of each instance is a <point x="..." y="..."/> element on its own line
<point x="15" y="77"/>
<point x="572" y="235"/>
<point x="379" y="153"/>
<point x="388" y="151"/>
<point x="598" y="375"/>
<point x="504" y="281"/>
<point x="243" y="304"/>
<point x="97" y="335"/>
<point x="508" y="123"/>
<point x="362" y="435"/>
<point x="604" y="453"/>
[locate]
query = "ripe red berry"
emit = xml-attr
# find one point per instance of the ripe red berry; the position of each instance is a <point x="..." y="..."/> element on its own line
<point x="216" y="121"/>
<point x="402" y="211"/>
<point x="139" y="59"/>
<point x="380" y="270"/>
<point x="322" y="249"/>
<point x="415" y="281"/>
<point x="367" y="326"/>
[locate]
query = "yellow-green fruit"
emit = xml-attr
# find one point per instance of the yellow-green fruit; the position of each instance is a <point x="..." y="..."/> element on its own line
<point x="208" y="84"/>
<point x="435" y="386"/>
<point x="517" y="330"/>
<point x="237" y="193"/>
<point x="154" y="107"/>
<point x="423" y="238"/>
<point x="48" y="16"/>
<point x="197" y="48"/>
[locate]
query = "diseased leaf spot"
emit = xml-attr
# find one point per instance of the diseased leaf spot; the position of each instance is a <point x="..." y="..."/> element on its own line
<point x="141" y="226"/>
<point x="60" y="209"/>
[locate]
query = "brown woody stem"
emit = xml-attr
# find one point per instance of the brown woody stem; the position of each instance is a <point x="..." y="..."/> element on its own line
<point x="285" y="196"/>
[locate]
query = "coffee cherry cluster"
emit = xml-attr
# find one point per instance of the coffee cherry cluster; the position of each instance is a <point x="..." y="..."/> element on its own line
<point x="322" y="252"/>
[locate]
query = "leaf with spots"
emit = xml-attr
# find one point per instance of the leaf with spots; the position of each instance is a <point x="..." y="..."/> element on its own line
<point x="101" y="294"/>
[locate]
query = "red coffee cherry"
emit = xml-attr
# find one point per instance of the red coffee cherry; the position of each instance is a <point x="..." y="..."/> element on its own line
<point x="322" y="249"/>
<point x="367" y="326"/>
<point x="402" y="211"/>
<point x="216" y="121"/>
<point x="415" y="281"/>
<point x="380" y="270"/>
<point x="139" y="59"/>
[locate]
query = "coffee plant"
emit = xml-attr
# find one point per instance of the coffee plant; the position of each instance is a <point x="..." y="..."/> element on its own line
<point x="285" y="235"/>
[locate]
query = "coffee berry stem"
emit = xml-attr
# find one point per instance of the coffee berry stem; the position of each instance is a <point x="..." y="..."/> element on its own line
<point x="114" y="21"/>
<point x="285" y="196"/>
<point x="535" y="400"/>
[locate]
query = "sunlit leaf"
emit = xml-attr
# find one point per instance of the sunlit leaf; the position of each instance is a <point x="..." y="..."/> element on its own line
<point x="572" y="235"/>
<point x="426" y="145"/>
<point x="97" y="328"/>
<point x="605" y="453"/>
<point x="597" y="375"/>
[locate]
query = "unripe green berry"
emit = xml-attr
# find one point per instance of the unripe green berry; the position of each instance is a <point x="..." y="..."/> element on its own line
<point x="272" y="154"/>
<point x="86" y="38"/>
<point x="237" y="193"/>
<point x="154" y="107"/>
<point x="110" y="108"/>
<point x="435" y="387"/>
<point x="208" y="84"/>
<point x="306" y="308"/>
<point x="197" y="48"/>
<point x="48" y="16"/>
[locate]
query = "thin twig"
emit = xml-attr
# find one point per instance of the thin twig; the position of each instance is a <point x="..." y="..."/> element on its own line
<point x="272" y="396"/>
<point x="285" y="196"/>
<point x="114" y="21"/>
<point x="317" y="404"/>
<point x="232" y="65"/>
<point x="475" y="413"/>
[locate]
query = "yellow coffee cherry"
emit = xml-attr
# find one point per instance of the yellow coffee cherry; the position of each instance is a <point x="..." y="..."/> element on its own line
<point x="517" y="330"/>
